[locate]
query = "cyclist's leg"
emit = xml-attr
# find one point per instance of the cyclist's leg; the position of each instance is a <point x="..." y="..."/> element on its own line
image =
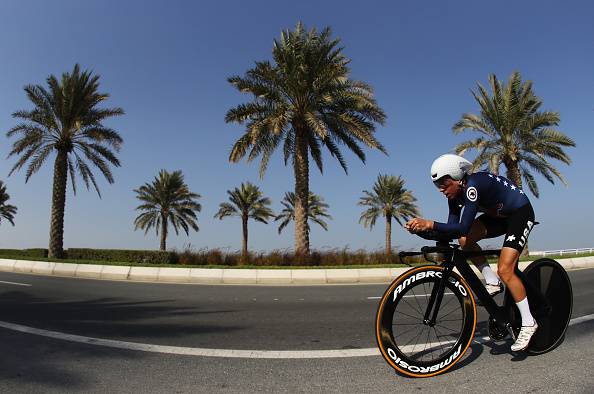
<point x="477" y="232"/>
<point x="519" y="227"/>
<point x="483" y="227"/>
<point x="505" y="269"/>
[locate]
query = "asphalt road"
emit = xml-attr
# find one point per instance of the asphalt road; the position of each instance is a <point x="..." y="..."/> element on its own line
<point x="269" y="318"/>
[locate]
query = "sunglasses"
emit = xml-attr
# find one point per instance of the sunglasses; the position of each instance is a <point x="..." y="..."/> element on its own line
<point x="441" y="182"/>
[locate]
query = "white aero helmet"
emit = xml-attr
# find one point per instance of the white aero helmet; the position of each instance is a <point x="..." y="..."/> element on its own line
<point x="453" y="165"/>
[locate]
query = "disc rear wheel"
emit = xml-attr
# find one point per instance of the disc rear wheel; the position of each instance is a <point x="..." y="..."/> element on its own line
<point x="550" y="297"/>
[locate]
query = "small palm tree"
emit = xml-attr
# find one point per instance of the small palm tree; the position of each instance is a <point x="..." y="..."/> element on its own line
<point x="247" y="202"/>
<point x="167" y="200"/>
<point x="391" y="200"/>
<point x="65" y="121"/>
<point x="316" y="210"/>
<point x="305" y="101"/>
<point x="7" y="211"/>
<point x="515" y="132"/>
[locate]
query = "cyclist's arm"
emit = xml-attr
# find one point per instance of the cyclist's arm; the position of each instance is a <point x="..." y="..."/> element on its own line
<point x="459" y="229"/>
<point x="455" y="210"/>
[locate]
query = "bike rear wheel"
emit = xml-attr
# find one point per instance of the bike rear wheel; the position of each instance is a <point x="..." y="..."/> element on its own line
<point x="413" y="347"/>
<point x="550" y="297"/>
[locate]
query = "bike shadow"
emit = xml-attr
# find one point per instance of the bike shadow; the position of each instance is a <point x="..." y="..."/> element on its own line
<point x="497" y="347"/>
<point x="475" y="350"/>
<point x="479" y="345"/>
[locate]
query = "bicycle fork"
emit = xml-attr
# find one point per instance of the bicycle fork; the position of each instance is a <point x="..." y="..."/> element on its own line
<point x="436" y="297"/>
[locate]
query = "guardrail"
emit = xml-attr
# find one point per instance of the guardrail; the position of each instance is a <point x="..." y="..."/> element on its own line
<point x="561" y="252"/>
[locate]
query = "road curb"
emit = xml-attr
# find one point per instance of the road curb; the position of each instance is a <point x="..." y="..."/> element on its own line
<point x="232" y="275"/>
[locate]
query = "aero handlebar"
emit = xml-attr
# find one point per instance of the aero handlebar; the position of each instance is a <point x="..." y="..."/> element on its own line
<point x="447" y="249"/>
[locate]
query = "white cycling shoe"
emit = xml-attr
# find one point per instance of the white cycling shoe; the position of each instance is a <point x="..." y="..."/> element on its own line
<point x="524" y="337"/>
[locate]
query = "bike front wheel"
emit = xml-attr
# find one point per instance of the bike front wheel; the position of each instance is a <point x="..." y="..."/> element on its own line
<point x="409" y="344"/>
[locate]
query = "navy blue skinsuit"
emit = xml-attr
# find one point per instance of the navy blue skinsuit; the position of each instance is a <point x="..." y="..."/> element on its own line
<point x="493" y="194"/>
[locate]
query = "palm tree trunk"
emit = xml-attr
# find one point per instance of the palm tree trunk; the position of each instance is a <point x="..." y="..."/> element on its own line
<point x="163" y="232"/>
<point x="56" y="241"/>
<point x="514" y="175"/>
<point x="513" y="172"/>
<point x="388" y="235"/>
<point x="301" y="167"/>
<point x="244" y="249"/>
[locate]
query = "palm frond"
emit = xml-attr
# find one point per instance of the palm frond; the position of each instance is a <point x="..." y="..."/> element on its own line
<point x="514" y="131"/>
<point x="168" y="196"/>
<point x="307" y="90"/>
<point x="388" y="198"/>
<point x="316" y="210"/>
<point x="66" y="117"/>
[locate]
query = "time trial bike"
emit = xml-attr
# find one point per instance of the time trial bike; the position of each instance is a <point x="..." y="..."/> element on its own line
<point x="426" y="318"/>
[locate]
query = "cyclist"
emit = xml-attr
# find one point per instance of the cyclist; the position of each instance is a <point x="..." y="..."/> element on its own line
<point x="506" y="210"/>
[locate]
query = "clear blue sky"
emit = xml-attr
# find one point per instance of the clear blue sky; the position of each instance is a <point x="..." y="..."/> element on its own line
<point x="166" y="63"/>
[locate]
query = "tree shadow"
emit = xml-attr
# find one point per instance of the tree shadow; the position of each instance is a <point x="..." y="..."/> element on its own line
<point x="29" y="362"/>
<point x="110" y="317"/>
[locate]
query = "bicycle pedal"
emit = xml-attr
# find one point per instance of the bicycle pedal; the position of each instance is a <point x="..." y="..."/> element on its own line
<point x="510" y="329"/>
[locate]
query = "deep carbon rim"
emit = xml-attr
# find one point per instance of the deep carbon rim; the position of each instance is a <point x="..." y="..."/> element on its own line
<point x="408" y="345"/>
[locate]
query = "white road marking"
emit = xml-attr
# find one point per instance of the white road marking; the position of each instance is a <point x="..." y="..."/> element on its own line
<point x="581" y="319"/>
<point x="15" y="283"/>
<point x="226" y="353"/>
<point x="408" y="296"/>
<point x="189" y="351"/>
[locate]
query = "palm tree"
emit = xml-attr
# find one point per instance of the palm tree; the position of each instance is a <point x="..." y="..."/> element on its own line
<point x="316" y="210"/>
<point x="167" y="200"/>
<point x="7" y="211"/>
<point x="246" y="202"/>
<point x="515" y="132"/>
<point x="65" y="120"/>
<point x="391" y="200"/>
<point x="305" y="100"/>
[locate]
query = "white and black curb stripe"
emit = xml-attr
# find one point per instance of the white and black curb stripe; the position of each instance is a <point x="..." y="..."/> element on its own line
<point x="230" y="275"/>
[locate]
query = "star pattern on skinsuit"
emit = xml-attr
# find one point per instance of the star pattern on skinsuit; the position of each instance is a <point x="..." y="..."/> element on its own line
<point x="521" y="192"/>
<point x="490" y="175"/>
<point x="505" y="183"/>
<point x="513" y="187"/>
<point x="498" y="179"/>
<point x="511" y="238"/>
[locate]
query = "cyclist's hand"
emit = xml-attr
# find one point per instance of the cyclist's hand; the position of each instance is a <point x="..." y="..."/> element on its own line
<point x="418" y="225"/>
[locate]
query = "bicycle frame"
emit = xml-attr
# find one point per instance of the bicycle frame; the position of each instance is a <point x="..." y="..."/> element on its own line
<point x="457" y="259"/>
<point x="548" y="289"/>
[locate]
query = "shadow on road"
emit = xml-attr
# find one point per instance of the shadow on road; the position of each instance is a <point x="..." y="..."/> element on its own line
<point x="29" y="362"/>
<point x="110" y="317"/>
<point x="30" y="359"/>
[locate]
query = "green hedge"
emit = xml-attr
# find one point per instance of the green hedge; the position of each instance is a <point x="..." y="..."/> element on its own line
<point x="41" y="253"/>
<point x="333" y="257"/>
<point x="114" y="255"/>
<point x="122" y="255"/>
